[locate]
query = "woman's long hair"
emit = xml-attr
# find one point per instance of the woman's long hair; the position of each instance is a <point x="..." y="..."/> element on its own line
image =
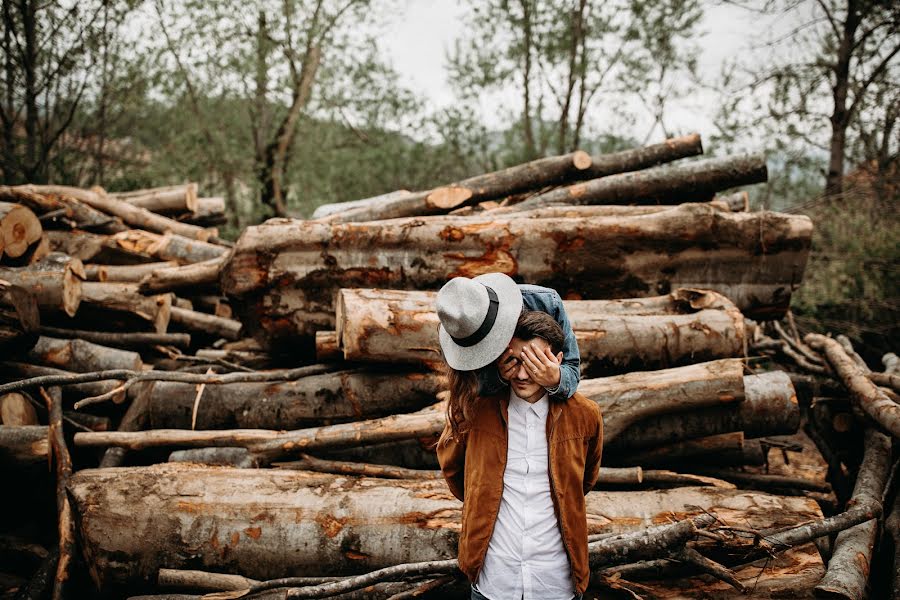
<point x="461" y="405"/>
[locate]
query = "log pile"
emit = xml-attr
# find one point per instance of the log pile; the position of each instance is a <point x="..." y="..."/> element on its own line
<point x="201" y="420"/>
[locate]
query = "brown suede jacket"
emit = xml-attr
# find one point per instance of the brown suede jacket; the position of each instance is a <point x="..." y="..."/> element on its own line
<point x="474" y="465"/>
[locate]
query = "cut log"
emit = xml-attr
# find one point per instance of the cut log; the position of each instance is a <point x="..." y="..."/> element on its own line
<point x="23" y="446"/>
<point x="80" y="356"/>
<point x="239" y="458"/>
<point x="531" y="175"/>
<point x="20" y="320"/>
<point x="137" y="340"/>
<point x="769" y="408"/>
<point x="697" y="180"/>
<point x="132" y="215"/>
<point x="54" y="281"/>
<point x="615" y="336"/>
<point x="637" y="159"/>
<point x="736" y="202"/>
<point x="200" y="322"/>
<point x="136" y="417"/>
<point x="175" y="199"/>
<point x="72" y="212"/>
<point x="284" y="282"/>
<point x="65" y="524"/>
<point x="19" y="228"/>
<point x="16" y="410"/>
<point x="723" y="449"/>
<point x="167" y="247"/>
<point x="327" y="347"/>
<point x="873" y="401"/>
<point x="125" y="298"/>
<point x="258" y="523"/>
<point x="309" y="401"/>
<point x="196" y="276"/>
<point x="125" y="273"/>
<point x="325" y="210"/>
<point x="19" y="370"/>
<point x="848" y="568"/>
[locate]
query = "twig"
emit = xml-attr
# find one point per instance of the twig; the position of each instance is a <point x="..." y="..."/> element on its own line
<point x="710" y="567"/>
<point x="424" y="588"/>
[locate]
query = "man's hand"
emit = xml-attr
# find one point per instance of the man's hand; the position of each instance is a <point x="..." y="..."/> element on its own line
<point x="542" y="366"/>
<point x="507" y="365"/>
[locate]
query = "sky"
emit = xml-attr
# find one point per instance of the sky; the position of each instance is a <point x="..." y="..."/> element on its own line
<point x="418" y="40"/>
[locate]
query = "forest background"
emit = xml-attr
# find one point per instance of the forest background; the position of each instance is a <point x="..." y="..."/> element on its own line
<point x="282" y="105"/>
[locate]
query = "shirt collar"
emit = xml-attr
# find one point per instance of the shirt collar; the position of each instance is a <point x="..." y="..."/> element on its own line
<point x="541" y="407"/>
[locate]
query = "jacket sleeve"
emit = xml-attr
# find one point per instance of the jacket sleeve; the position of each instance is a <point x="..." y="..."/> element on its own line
<point x="452" y="458"/>
<point x="594" y="453"/>
<point x="570" y="369"/>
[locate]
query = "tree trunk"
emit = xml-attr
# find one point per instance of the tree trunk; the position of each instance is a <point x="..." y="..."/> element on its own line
<point x="284" y="275"/>
<point x="125" y="297"/>
<point x="309" y="401"/>
<point x="19" y="228"/>
<point x="722" y="449"/>
<point x="173" y="199"/>
<point x="259" y="523"/>
<point x="195" y="276"/>
<point x="614" y="336"/>
<point x="848" y="569"/>
<point x="23" y="446"/>
<point x="697" y="180"/>
<point x="209" y="324"/>
<point x="769" y="408"/>
<point x="132" y="215"/>
<point x="20" y="320"/>
<point x="125" y="273"/>
<point x="54" y="281"/>
<point x="637" y="159"/>
<point x="82" y="357"/>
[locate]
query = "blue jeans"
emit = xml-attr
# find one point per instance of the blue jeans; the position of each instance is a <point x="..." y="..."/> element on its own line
<point x="476" y="595"/>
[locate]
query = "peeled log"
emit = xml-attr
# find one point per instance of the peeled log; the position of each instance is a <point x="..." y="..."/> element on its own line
<point x="309" y="401"/>
<point x="55" y="282"/>
<point x="20" y="320"/>
<point x="769" y="408"/>
<point x="19" y="228"/>
<point x="82" y="357"/>
<point x="686" y="326"/>
<point x="259" y="523"/>
<point x="23" y="446"/>
<point x="699" y="179"/>
<point x="284" y="274"/>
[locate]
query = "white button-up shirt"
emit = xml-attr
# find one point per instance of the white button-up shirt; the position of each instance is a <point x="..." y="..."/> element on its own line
<point x="526" y="557"/>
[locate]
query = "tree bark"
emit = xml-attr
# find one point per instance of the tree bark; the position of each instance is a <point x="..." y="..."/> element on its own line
<point x="82" y="357"/>
<point x="638" y="159"/>
<point x="23" y="446"/>
<point x="848" y="569"/>
<point x="736" y="202"/>
<point x="74" y="213"/>
<point x="125" y="273"/>
<point x="306" y="402"/>
<point x="167" y="247"/>
<point x="65" y="524"/>
<point x="173" y="199"/>
<point x="19" y="228"/>
<point x="125" y="298"/>
<point x="283" y="275"/>
<point x="20" y="320"/>
<point x="722" y="449"/>
<point x="327" y="210"/>
<point x="137" y="340"/>
<point x="258" y="523"/>
<point x="136" y="418"/>
<point x="873" y="401"/>
<point x="614" y="336"/>
<point x="132" y="215"/>
<point x="54" y="281"/>
<point x="697" y="180"/>
<point x="193" y="320"/>
<point x="196" y="276"/>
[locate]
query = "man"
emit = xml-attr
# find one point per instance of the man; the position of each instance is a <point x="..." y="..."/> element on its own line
<point x="522" y="464"/>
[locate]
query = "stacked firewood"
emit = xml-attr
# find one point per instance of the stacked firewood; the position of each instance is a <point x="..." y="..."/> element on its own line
<point x="190" y="459"/>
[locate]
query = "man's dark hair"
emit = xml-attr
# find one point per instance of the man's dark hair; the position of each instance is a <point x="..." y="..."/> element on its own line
<point x="536" y="324"/>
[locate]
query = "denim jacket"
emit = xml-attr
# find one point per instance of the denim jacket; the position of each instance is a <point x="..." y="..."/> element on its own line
<point x="535" y="297"/>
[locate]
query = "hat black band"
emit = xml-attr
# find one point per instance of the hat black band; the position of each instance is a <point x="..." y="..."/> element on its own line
<point x="489" y="319"/>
